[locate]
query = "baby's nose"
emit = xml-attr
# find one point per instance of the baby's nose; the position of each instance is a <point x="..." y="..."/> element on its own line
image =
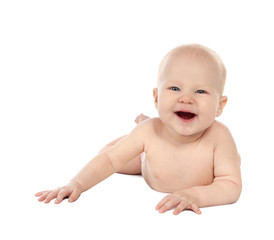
<point x="186" y="99"/>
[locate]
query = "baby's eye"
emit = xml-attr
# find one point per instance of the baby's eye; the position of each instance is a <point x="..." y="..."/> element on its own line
<point x="201" y="91"/>
<point x="174" y="89"/>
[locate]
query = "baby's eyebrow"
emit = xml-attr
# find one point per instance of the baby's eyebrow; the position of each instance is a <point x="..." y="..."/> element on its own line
<point x="174" y="82"/>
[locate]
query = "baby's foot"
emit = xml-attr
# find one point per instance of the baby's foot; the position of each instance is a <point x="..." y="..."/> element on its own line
<point x="141" y="118"/>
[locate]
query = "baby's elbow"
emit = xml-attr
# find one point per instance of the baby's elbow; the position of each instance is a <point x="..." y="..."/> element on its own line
<point x="236" y="197"/>
<point x="231" y="188"/>
<point x="236" y="191"/>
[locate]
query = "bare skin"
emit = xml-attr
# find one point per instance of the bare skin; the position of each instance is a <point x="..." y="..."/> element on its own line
<point x="133" y="167"/>
<point x="186" y="152"/>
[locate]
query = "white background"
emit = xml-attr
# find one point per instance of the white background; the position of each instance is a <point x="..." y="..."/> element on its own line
<point x="74" y="74"/>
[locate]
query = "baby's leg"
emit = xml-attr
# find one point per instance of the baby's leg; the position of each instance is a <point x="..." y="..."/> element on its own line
<point x="141" y="118"/>
<point x="133" y="167"/>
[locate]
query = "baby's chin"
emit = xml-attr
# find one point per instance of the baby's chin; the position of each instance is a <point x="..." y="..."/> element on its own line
<point x="187" y="135"/>
<point x="191" y="133"/>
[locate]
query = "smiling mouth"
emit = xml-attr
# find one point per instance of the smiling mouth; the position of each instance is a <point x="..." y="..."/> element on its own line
<point x="185" y="115"/>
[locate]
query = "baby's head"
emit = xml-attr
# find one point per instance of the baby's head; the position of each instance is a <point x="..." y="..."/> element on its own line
<point x="194" y="52"/>
<point x="189" y="89"/>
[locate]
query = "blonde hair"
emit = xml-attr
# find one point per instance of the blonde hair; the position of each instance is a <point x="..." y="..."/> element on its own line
<point x="196" y="50"/>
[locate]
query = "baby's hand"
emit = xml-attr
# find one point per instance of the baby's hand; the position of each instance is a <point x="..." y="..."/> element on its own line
<point x="72" y="191"/>
<point x="179" y="201"/>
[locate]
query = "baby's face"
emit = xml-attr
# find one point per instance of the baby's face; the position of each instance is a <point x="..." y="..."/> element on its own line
<point x="189" y="95"/>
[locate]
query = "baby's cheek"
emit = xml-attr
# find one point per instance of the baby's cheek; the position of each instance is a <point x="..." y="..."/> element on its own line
<point x="163" y="110"/>
<point x="208" y="118"/>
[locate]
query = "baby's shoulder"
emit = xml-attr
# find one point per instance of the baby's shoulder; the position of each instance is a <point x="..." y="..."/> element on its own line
<point x="218" y="127"/>
<point x="149" y="128"/>
<point x="219" y="132"/>
<point x="150" y="125"/>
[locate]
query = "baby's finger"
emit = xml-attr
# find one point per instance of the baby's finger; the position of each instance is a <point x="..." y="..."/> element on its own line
<point x="169" y="205"/>
<point x="40" y="193"/>
<point x="195" y="209"/>
<point x="61" y="195"/>
<point x="184" y="205"/>
<point x="163" y="202"/>
<point x="181" y="207"/>
<point x="74" y="196"/>
<point x="52" y="195"/>
<point x="43" y="196"/>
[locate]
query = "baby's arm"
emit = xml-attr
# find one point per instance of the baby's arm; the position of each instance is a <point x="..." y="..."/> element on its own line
<point x="225" y="189"/>
<point x="100" y="167"/>
<point x="227" y="185"/>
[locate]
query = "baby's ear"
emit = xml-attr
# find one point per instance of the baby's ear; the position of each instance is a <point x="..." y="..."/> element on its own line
<point x="222" y="104"/>
<point x="155" y="95"/>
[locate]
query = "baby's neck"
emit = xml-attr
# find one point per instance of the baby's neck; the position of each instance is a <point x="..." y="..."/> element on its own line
<point x="182" y="139"/>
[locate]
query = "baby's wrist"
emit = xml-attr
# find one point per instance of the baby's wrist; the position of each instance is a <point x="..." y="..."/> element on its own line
<point x="192" y="193"/>
<point x="76" y="184"/>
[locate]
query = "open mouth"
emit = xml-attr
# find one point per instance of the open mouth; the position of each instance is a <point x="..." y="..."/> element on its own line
<point x="185" y="115"/>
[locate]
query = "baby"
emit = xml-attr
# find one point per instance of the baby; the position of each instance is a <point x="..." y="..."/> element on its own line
<point x="184" y="152"/>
